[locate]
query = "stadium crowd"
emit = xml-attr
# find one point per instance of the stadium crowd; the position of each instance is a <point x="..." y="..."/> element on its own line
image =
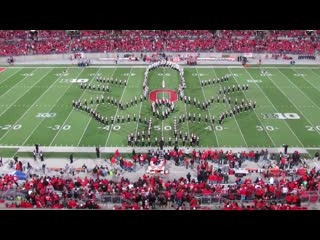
<point x="26" y="42"/>
<point x="280" y="185"/>
<point x="274" y="190"/>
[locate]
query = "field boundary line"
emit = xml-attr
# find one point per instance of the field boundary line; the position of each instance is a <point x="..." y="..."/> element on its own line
<point x="145" y="149"/>
<point x="237" y="65"/>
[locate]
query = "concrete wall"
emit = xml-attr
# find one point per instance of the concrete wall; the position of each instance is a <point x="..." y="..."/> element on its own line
<point x="96" y="56"/>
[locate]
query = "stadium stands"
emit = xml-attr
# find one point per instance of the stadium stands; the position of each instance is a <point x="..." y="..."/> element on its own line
<point x="285" y="192"/>
<point x="23" y="42"/>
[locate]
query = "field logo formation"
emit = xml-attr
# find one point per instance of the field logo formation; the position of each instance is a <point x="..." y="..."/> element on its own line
<point x="162" y="105"/>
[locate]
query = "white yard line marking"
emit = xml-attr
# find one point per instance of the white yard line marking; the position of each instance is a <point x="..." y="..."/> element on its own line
<point x="72" y="108"/>
<point x="52" y="106"/>
<point x="253" y="110"/>
<point x="275" y="109"/>
<point x="185" y="107"/>
<point x="164" y="71"/>
<point x="296" y="87"/>
<point x="138" y="116"/>
<point x="313" y="86"/>
<point x="118" y="107"/>
<point x="7" y="78"/>
<point x="92" y="117"/>
<point x="207" y="109"/>
<point x="85" y="129"/>
<point x="15" y="85"/>
<point x="31" y="105"/>
<point x="293" y="104"/>
<point x="232" y="114"/>
<point x="9" y="90"/>
<point x="317" y="75"/>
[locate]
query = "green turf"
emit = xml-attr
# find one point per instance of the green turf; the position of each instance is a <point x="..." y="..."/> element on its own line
<point x="313" y="152"/>
<point x="35" y="106"/>
<point x="8" y="152"/>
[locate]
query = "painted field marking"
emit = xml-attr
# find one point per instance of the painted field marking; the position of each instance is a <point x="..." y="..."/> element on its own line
<point x="70" y="111"/>
<point x="277" y="110"/>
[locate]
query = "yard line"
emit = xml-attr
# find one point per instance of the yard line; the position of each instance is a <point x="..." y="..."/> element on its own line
<point x="315" y="72"/>
<point x="275" y="109"/>
<point x="9" y="90"/>
<point x="253" y="109"/>
<point x="21" y="95"/>
<point x="295" y="86"/>
<point x="72" y="108"/>
<point x="207" y="109"/>
<point x="31" y="105"/>
<point x="52" y="106"/>
<point x="7" y="78"/>
<point x="118" y="107"/>
<point x="293" y="104"/>
<point x="139" y="115"/>
<point x="311" y="82"/>
<point x="164" y="70"/>
<point x="185" y="107"/>
<point x="232" y="114"/>
<point x="85" y="129"/>
<point x="95" y="110"/>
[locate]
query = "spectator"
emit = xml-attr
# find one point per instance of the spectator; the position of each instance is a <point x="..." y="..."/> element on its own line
<point x="71" y="158"/>
<point x="189" y="177"/>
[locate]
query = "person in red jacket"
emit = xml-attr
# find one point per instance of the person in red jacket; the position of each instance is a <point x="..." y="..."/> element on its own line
<point x="117" y="154"/>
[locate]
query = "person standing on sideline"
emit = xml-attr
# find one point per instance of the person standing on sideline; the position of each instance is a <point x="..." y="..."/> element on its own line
<point x="71" y="158"/>
<point x="34" y="155"/>
<point x="37" y="147"/>
<point x="285" y="148"/>
<point x="41" y="156"/>
<point x="98" y="152"/>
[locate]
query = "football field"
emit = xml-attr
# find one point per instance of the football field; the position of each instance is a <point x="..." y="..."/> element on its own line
<point x="36" y="106"/>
